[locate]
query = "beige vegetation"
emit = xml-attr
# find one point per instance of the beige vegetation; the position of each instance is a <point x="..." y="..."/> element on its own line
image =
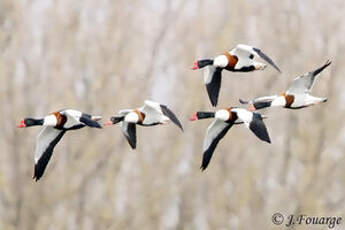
<point x="102" y="56"/>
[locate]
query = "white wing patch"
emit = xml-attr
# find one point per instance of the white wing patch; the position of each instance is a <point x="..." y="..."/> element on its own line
<point x="244" y="115"/>
<point x="153" y="112"/>
<point x="44" y="138"/>
<point x="213" y="130"/>
<point x="124" y="128"/>
<point x="208" y="74"/>
<point x="152" y="104"/>
<point x="301" y="84"/>
<point x="73" y="117"/>
<point x="243" y="53"/>
<point x="305" y="83"/>
<point x="73" y="113"/>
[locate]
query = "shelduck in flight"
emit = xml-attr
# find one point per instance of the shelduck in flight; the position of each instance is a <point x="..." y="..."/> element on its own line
<point x="224" y="119"/>
<point x="150" y="114"/>
<point x="239" y="59"/>
<point x="54" y="127"/>
<point x="296" y="97"/>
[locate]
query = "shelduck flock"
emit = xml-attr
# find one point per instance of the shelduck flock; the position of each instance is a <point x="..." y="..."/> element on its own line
<point x="242" y="58"/>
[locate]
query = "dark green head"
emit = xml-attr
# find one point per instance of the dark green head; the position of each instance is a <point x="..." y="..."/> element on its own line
<point x="30" y="122"/>
<point x="202" y="115"/>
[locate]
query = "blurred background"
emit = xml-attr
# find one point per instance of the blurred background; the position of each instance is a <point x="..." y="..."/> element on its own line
<point x="103" y="56"/>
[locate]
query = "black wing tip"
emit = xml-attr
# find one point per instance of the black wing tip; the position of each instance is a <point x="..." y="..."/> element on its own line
<point x="95" y="124"/>
<point x="319" y="70"/>
<point x="98" y="126"/>
<point x="131" y="137"/>
<point x="167" y="112"/>
<point x="212" y="96"/>
<point x="89" y="122"/>
<point x="206" y="159"/>
<point x="266" y="58"/>
<point x="258" y="127"/>
<point x="38" y="173"/>
<point x="266" y="139"/>
<point x="204" y="164"/>
<point x="213" y="99"/>
<point x="178" y="124"/>
<point x="132" y="144"/>
<point x="213" y="87"/>
<point x="276" y="67"/>
<point x="328" y="62"/>
<point x="203" y="167"/>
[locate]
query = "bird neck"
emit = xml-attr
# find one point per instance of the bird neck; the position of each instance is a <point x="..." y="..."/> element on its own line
<point x="205" y="62"/>
<point x="33" y="122"/>
<point x="117" y="119"/>
<point x="205" y="115"/>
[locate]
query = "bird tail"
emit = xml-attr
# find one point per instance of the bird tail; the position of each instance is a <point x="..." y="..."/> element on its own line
<point x="243" y="101"/>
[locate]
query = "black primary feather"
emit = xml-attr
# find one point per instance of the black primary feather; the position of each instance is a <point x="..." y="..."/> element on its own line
<point x="42" y="163"/>
<point x="167" y="112"/>
<point x="75" y="127"/>
<point x="319" y="70"/>
<point x="132" y="135"/>
<point x="266" y="58"/>
<point x="213" y="87"/>
<point x="258" y="127"/>
<point x="86" y="119"/>
<point x="209" y="152"/>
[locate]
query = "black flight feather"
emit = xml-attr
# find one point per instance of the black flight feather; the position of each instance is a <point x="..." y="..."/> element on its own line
<point x="167" y="112"/>
<point x="209" y="152"/>
<point x="266" y="58"/>
<point x="213" y="87"/>
<point x="42" y="163"/>
<point x="257" y="126"/>
<point x="86" y="119"/>
<point x="132" y="135"/>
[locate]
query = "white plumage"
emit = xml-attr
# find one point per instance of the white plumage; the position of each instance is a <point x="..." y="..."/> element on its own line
<point x="46" y="136"/>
